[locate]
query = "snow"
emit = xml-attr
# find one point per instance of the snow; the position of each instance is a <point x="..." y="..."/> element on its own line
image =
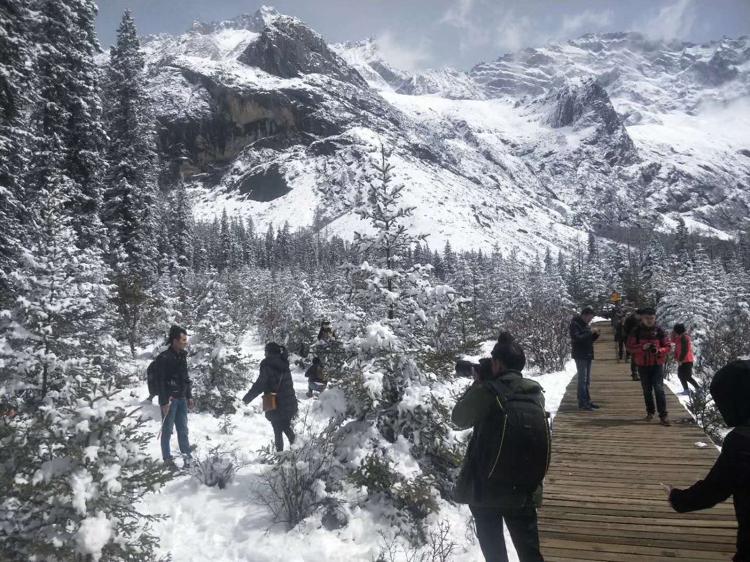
<point x="205" y="523"/>
<point x="94" y="534"/>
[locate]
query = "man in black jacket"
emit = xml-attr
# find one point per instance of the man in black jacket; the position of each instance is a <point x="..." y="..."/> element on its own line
<point x="175" y="397"/>
<point x="730" y="475"/>
<point x="629" y="324"/>
<point x="582" y="339"/>
<point x="276" y="378"/>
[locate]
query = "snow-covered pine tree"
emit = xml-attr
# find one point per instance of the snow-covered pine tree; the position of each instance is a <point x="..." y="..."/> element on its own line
<point x="68" y="78"/>
<point x="130" y="197"/>
<point x="16" y="47"/>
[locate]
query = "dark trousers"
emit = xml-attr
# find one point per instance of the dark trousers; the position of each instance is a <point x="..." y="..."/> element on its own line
<point x="685" y="374"/>
<point x="282" y="427"/>
<point x="620" y="349"/>
<point x="522" y="525"/>
<point x="652" y="382"/>
<point x="633" y="367"/>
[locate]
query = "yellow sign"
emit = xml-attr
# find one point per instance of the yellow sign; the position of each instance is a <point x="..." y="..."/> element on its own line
<point x="615" y="297"/>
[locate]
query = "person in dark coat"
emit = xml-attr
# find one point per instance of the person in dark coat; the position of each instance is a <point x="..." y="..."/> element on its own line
<point x="316" y="379"/>
<point x="582" y="339"/>
<point x="276" y="378"/>
<point x="628" y="325"/>
<point x="174" y="387"/>
<point x="491" y="502"/>
<point x="617" y="326"/>
<point x="730" y="475"/>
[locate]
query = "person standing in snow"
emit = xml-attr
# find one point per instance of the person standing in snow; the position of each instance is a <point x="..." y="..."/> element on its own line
<point x="683" y="354"/>
<point x="279" y="398"/>
<point x="649" y="346"/>
<point x="582" y="338"/>
<point x="730" y="475"/>
<point x="175" y="394"/>
<point x="502" y="473"/>
<point x="316" y="380"/>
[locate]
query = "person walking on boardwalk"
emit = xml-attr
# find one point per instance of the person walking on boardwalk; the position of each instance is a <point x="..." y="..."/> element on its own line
<point x="730" y="475"/>
<point x="619" y="336"/>
<point x="628" y="325"/>
<point x="649" y="346"/>
<point x="683" y="354"/>
<point x="279" y="399"/>
<point x="502" y="473"/>
<point x="582" y="339"/>
<point x="174" y="388"/>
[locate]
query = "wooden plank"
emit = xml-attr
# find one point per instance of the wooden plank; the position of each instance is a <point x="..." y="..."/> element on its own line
<point x="602" y="496"/>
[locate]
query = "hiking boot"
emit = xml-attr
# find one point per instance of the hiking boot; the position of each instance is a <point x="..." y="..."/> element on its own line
<point x="309" y="393"/>
<point x="649" y="417"/>
<point x="171" y="465"/>
<point x="636" y="377"/>
<point x="665" y="421"/>
<point x="594" y="406"/>
<point x="187" y="463"/>
<point x="587" y="407"/>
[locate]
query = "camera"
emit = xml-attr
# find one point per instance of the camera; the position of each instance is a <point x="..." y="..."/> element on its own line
<point x="467" y="368"/>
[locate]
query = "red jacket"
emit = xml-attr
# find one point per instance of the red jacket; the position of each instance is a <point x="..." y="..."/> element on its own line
<point x="683" y="350"/>
<point x="655" y="336"/>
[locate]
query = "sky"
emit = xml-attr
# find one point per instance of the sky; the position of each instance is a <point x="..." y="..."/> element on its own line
<point x="418" y="34"/>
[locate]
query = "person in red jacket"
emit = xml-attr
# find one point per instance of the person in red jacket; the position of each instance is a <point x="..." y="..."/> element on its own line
<point x="649" y="346"/>
<point x="683" y="354"/>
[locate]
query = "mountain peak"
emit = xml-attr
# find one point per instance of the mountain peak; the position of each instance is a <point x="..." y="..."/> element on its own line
<point x="256" y="22"/>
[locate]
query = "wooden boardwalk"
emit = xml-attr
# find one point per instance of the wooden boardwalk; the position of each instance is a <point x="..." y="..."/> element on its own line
<point x="602" y="497"/>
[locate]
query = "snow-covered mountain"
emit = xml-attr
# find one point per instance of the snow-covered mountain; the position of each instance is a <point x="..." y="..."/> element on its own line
<point x="267" y="120"/>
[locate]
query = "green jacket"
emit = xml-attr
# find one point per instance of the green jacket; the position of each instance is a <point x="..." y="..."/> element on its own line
<point x="471" y="410"/>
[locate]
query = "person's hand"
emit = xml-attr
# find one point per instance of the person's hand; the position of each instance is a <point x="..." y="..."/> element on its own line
<point x="667" y="488"/>
<point x="646" y="346"/>
<point x="164" y="409"/>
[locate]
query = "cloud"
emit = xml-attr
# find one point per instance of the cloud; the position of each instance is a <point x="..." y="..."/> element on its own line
<point x="459" y="14"/>
<point x="585" y="22"/>
<point x="514" y="32"/>
<point x="411" y="57"/>
<point x="674" y="21"/>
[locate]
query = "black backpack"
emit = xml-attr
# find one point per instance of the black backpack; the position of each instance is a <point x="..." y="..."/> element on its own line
<point x="151" y="376"/>
<point x="516" y="444"/>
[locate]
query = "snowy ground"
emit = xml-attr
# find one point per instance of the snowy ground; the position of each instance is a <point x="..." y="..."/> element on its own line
<point x="205" y="523"/>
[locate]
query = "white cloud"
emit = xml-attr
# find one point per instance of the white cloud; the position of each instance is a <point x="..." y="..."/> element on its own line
<point x="514" y="32"/>
<point x="585" y="22"/>
<point x="674" y="21"/>
<point x="411" y="57"/>
<point x="459" y="15"/>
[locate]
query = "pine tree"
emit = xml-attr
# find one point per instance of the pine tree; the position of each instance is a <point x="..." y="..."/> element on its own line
<point x="15" y="61"/>
<point x="69" y="106"/>
<point x="130" y="195"/>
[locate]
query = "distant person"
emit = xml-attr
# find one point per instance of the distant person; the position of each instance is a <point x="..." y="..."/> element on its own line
<point x="619" y="330"/>
<point x="174" y="388"/>
<point x="316" y="380"/>
<point x="649" y="346"/>
<point x="279" y="399"/>
<point x="326" y="333"/>
<point x="502" y="473"/>
<point x="628" y="325"/>
<point x="582" y="339"/>
<point x="683" y="354"/>
<point x="730" y="475"/>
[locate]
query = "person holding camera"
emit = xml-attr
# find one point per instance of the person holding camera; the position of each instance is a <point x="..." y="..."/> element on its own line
<point x="649" y="346"/>
<point x="582" y="339"/>
<point x="508" y="454"/>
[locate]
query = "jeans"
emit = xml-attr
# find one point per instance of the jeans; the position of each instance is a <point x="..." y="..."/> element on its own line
<point x="583" y="368"/>
<point x="620" y="349"/>
<point x="522" y="525"/>
<point x="652" y="382"/>
<point x="282" y="427"/>
<point x="176" y="417"/>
